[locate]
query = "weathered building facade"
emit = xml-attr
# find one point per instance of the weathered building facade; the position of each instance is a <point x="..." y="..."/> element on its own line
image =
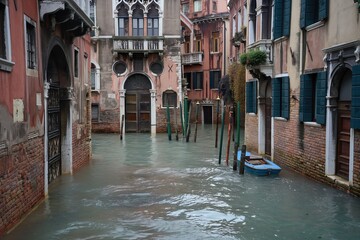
<point x="303" y="103"/>
<point x="44" y="99"/>
<point x="205" y="52"/>
<point x="137" y="55"/>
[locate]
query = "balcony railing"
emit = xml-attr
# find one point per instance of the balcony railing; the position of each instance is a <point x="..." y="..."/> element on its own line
<point x="192" y="58"/>
<point x="132" y="44"/>
<point x="266" y="46"/>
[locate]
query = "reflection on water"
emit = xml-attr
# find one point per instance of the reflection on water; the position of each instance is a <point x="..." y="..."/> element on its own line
<point x="149" y="188"/>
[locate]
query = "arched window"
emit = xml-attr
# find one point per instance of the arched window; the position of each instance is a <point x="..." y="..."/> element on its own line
<point x="138" y="21"/>
<point x="169" y="98"/>
<point x="153" y="22"/>
<point x="123" y="21"/>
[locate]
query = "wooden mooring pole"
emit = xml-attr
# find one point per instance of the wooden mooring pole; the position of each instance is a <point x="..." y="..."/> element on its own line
<point x="222" y="132"/>
<point x="217" y="121"/>
<point x="168" y="121"/>
<point x="196" y="119"/>
<point x="122" y="126"/>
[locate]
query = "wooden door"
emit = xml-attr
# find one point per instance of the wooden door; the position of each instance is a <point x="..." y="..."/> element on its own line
<point x="343" y="140"/>
<point x="207" y="114"/>
<point x="137" y="111"/>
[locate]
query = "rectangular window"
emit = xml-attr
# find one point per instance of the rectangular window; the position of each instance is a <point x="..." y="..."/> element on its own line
<point x="313" y="11"/>
<point x="153" y="27"/>
<point x="313" y="97"/>
<point x="198" y="43"/>
<point x="280" y="97"/>
<point x="93" y="78"/>
<point x="197" y="80"/>
<point x="185" y="8"/>
<point x="169" y="98"/>
<point x="123" y="24"/>
<point x="282" y="18"/>
<point x="187" y="44"/>
<point x="30" y="44"/>
<point x="251" y="97"/>
<point x="215" y="77"/>
<point x="215" y="42"/>
<point x="5" y="43"/>
<point x="76" y="63"/>
<point x="95" y="113"/>
<point x="187" y="76"/>
<point x="214" y="6"/>
<point x="138" y="27"/>
<point x="197" y="5"/>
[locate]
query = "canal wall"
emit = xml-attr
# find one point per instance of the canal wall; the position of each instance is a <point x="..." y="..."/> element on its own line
<point x="22" y="181"/>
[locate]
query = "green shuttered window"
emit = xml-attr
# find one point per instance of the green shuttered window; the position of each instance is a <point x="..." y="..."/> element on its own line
<point x="280" y="97"/>
<point x="251" y="97"/>
<point x="282" y="17"/>
<point x="215" y="77"/>
<point x="313" y="11"/>
<point x="355" y="97"/>
<point x="313" y="97"/>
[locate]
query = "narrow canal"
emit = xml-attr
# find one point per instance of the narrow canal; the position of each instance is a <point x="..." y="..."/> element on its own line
<point x="150" y="188"/>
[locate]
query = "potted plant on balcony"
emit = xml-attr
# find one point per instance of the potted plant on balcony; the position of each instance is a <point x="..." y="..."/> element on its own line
<point x="253" y="58"/>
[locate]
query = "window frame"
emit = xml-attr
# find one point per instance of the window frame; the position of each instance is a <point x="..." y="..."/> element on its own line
<point x="5" y="61"/>
<point x="313" y="14"/>
<point x="197" y="79"/>
<point x="281" y="97"/>
<point x="215" y="78"/>
<point x="197" y="5"/>
<point x="76" y="62"/>
<point x="153" y="31"/>
<point x="251" y="96"/>
<point x="215" y="48"/>
<point x="30" y="54"/>
<point x="173" y="99"/>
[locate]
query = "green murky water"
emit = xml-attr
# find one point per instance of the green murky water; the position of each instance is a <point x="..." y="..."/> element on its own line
<point x="149" y="188"/>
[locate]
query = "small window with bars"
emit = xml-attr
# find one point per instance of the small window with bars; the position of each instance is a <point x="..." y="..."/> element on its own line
<point x="30" y="45"/>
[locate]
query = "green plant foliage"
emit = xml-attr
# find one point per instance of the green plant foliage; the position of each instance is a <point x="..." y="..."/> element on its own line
<point x="243" y="59"/>
<point x="253" y="58"/>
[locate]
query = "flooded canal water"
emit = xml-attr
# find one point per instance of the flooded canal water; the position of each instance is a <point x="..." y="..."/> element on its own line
<point x="150" y="188"/>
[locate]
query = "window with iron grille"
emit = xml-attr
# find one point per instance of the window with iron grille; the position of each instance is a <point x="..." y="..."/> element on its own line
<point x="169" y="98"/>
<point x="30" y="45"/>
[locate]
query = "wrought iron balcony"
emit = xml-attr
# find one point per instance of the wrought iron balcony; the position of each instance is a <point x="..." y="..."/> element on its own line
<point x="138" y="44"/>
<point x="192" y="58"/>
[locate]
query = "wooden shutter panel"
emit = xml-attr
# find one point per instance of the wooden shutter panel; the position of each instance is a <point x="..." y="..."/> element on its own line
<point x="249" y="97"/>
<point x="201" y="80"/>
<point x="286" y="18"/>
<point x="254" y="99"/>
<point x="306" y="102"/>
<point x="355" y="97"/>
<point x="276" y="97"/>
<point x="321" y="88"/>
<point x="303" y="14"/>
<point x="278" y="19"/>
<point x="323" y="9"/>
<point x="212" y="80"/>
<point x="194" y="84"/>
<point x="285" y="97"/>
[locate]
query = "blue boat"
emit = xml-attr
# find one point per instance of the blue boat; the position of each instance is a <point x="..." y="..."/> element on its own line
<point x="259" y="166"/>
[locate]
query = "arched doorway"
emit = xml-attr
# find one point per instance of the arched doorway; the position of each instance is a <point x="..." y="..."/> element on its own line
<point x="57" y="119"/>
<point x="343" y="125"/>
<point x="338" y="124"/>
<point x="265" y="116"/>
<point x="137" y="104"/>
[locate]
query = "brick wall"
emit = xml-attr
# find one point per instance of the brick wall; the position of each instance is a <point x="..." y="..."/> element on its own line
<point x="21" y="181"/>
<point x="251" y="133"/>
<point x="81" y="146"/>
<point x="356" y="186"/>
